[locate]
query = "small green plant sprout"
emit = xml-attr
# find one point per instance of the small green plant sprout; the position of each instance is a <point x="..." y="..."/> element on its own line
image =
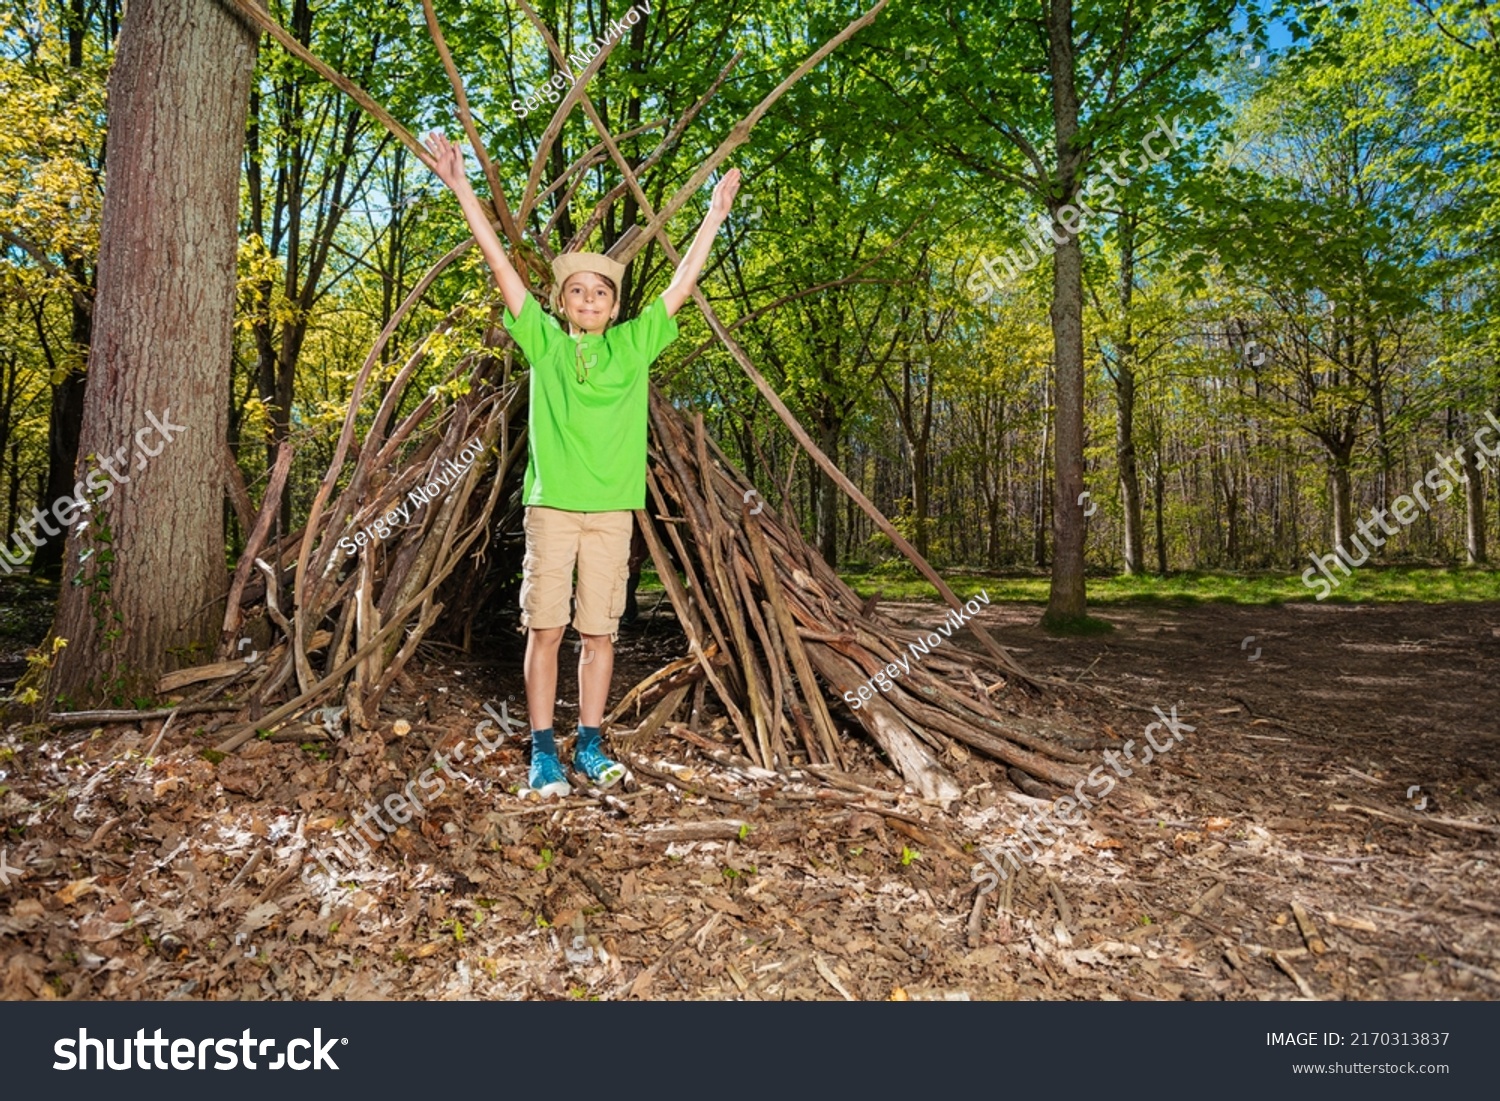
<point x="908" y="855"/>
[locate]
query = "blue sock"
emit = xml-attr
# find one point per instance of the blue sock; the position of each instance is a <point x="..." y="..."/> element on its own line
<point x="541" y="742"/>
<point x="587" y="736"/>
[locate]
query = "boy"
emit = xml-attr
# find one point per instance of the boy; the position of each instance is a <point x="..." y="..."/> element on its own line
<point x="586" y="459"/>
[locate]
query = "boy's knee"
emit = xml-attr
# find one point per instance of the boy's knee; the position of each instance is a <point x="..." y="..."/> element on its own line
<point x="547" y="636"/>
<point x="592" y="645"/>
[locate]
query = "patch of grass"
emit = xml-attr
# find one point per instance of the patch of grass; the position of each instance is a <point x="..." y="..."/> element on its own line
<point x="1368" y="585"/>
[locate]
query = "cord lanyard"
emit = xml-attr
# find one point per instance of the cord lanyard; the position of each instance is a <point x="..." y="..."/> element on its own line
<point x="580" y="365"/>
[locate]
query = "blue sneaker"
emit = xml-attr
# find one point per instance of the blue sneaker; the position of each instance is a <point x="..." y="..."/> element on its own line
<point x="546" y="776"/>
<point x="590" y="760"/>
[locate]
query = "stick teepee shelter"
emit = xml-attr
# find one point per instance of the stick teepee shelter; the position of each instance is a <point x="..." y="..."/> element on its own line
<point x="770" y="627"/>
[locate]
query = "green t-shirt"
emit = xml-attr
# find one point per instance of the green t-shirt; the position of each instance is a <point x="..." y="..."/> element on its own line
<point x="586" y="441"/>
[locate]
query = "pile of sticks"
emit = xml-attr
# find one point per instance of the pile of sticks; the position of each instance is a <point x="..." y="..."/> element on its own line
<point x="380" y="545"/>
<point x="778" y="635"/>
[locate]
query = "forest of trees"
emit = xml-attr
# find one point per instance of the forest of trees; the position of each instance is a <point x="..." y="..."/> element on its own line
<point x="1271" y="324"/>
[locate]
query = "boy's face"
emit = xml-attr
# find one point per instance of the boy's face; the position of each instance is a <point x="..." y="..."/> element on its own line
<point x="589" y="301"/>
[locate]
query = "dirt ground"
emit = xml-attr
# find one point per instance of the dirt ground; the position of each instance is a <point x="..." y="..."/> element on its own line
<point x="1330" y="829"/>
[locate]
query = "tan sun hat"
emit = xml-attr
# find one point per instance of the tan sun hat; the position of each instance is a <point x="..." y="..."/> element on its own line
<point x="571" y="263"/>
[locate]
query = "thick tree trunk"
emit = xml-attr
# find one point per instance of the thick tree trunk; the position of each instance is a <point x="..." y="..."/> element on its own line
<point x="1159" y="488"/>
<point x="1066" y="600"/>
<point x="1130" y="478"/>
<point x="152" y="555"/>
<point x="1382" y="433"/>
<point x="1130" y="475"/>
<point x="1043" y="487"/>
<point x="992" y="531"/>
<point x="1474" y="549"/>
<point x="1343" y="507"/>
<point x="921" y="496"/>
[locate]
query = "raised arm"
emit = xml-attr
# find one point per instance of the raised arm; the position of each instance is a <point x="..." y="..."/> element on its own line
<point x="681" y="287"/>
<point x="450" y="169"/>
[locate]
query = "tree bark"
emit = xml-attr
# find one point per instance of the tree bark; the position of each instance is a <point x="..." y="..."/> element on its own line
<point x="1066" y="600"/>
<point x="1474" y="548"/>
<point x="1130" y="478"/>
<point x="1158" y="490"/>
<point x="1043" y="488"/>
<point x="151" y="558"/>
<point x="1343" y="507"/>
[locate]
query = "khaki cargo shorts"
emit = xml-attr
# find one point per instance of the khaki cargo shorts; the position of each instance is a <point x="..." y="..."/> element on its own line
<point x="599" y="543"/>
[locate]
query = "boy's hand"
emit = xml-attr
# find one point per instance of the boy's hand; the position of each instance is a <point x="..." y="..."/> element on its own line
<point x="448" y="163"/>
<point x="724" y="193"/>
<point x="448" y="159"/>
